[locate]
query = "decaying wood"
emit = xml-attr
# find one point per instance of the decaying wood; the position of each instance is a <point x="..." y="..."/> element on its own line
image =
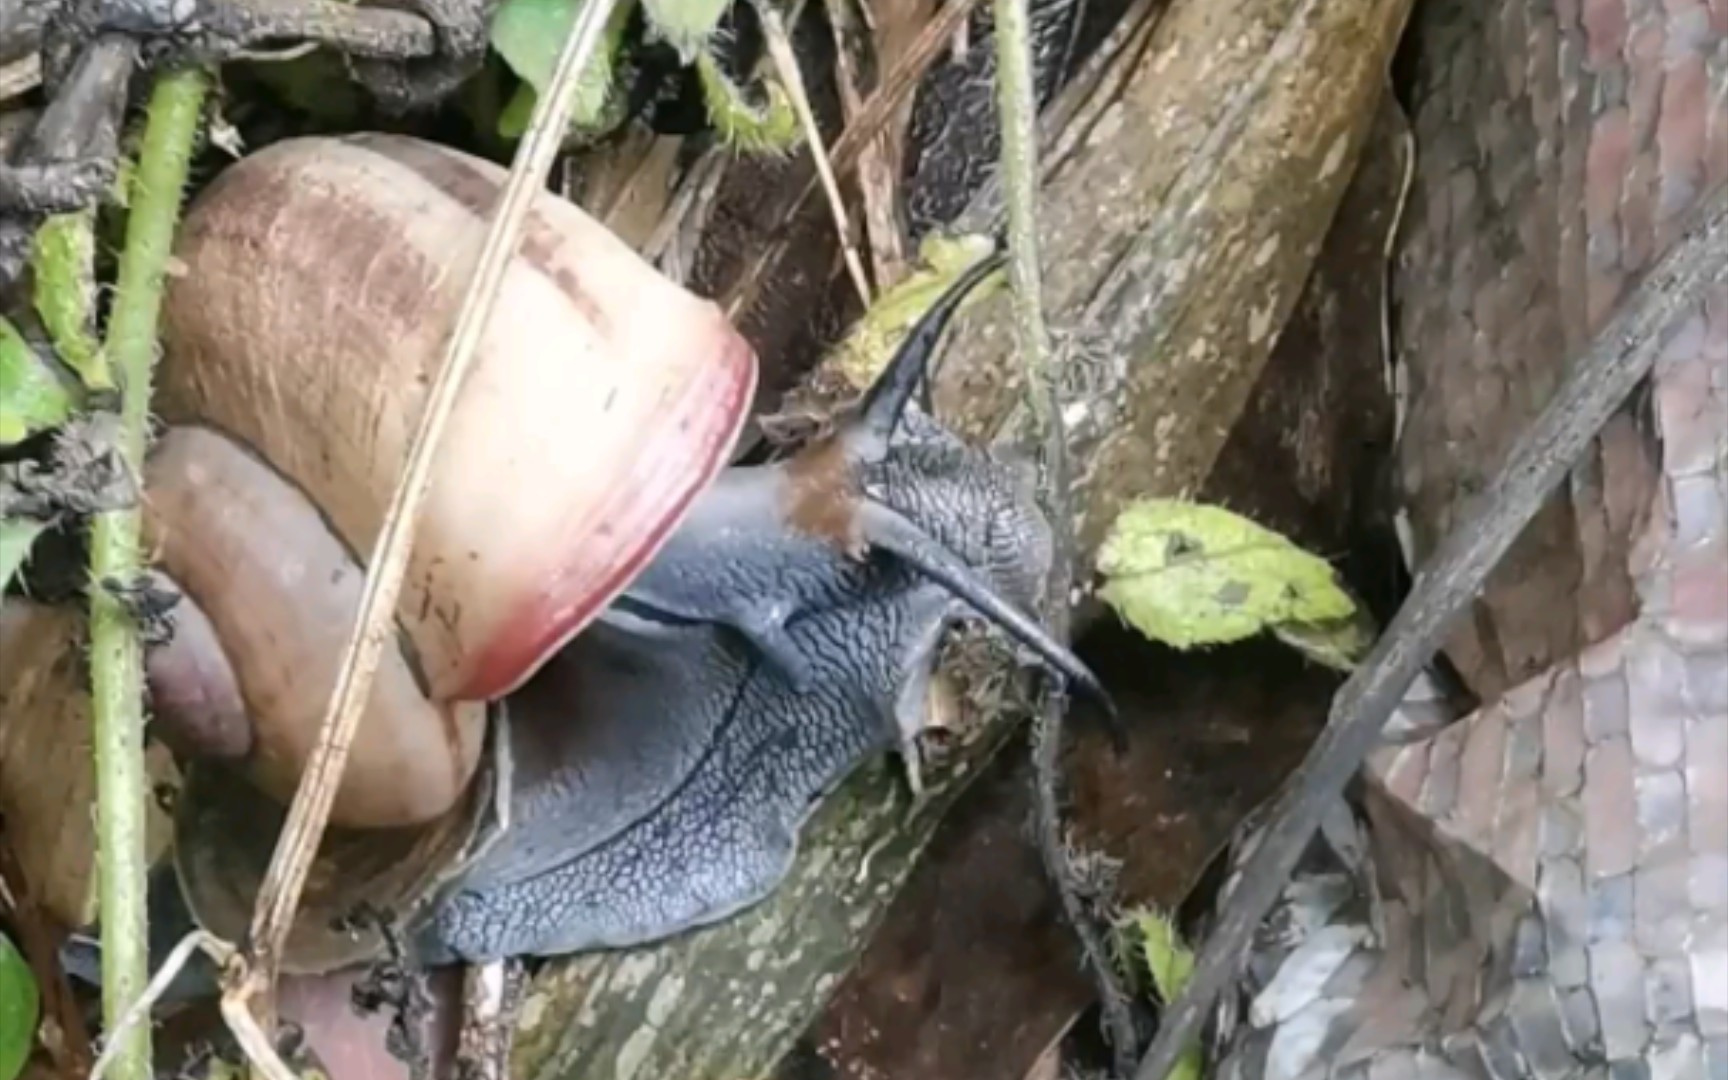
<point x="1593" y="390"/>
<point x="972" y="974"/>
<point x="1179" y="232"/>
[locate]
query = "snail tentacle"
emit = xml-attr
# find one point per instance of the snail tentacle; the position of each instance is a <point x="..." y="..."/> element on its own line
<point x="765" y="543"/>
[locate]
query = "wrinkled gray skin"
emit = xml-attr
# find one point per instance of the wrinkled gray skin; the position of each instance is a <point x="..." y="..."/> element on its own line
<point x="626" y="830"/>
<point x="918" y="493"/>
<point x="678" y="799"/>
<point x="665" y="760"/>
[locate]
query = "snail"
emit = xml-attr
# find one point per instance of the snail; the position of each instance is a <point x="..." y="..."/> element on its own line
<point x="628" y="670"/>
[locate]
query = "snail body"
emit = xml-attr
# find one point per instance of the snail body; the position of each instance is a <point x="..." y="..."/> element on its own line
<point x="674" y="658"/>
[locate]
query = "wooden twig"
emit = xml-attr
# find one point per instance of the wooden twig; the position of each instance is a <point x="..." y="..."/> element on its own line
<point x="1017" y="112"/>
<point x="279" y="894"/>
<point x="786" y="66"/>
<point x="219" y="952"/>
<point x="878" y="161"/>
<point x="891" y="91"/>
<point x="1618" y="358"/>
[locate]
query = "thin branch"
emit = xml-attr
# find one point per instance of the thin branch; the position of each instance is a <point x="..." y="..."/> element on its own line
<point x="877" y="161"/>
<point x="1617" y="360"/>
<point x="116" y="653"/>
<point x="219" y="951"/>
<point x="1017" y="110"/>
<point x="786" y="66"/>
<point x="891" y="91"/>
<point x="279" y="896"/>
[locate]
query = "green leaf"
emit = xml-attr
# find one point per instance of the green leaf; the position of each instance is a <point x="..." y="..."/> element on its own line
<point x="1187" y="574"/>
<point x="19" y="1003"/>
<point x="528" y="34"/>
<point x="17" y="537"/>
<point x="1171" y="963"/>
<point x="32" y="397"/>
<point x="64" y="259"/>
<point x="685" y="24"/>
<point x="1338" y="643"/>
<point x="871" y="342"/>
<point x="766" y="126"/>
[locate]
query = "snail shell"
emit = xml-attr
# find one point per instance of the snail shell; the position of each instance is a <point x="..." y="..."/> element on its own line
<point x="321" y="277"/>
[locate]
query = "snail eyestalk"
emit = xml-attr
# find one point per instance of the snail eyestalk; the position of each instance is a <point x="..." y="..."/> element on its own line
<point x="116" y="651"/>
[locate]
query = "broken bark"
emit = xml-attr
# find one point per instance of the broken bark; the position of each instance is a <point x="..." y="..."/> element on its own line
<point x="972" y="974"/>
<point x="1178" y="233"/>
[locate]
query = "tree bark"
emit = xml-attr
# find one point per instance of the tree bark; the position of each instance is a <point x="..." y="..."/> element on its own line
<point x="1180" y="222"/>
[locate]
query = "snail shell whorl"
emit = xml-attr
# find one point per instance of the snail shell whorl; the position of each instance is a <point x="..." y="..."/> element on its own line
<point x="322" y="277"/>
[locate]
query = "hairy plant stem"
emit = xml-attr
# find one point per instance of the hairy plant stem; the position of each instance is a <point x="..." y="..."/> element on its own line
<point x="1017" y="107"/>
<point x="116" y="654"/>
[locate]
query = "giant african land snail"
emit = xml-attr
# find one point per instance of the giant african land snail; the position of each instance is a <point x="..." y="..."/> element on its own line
<point x="748" y="634"/>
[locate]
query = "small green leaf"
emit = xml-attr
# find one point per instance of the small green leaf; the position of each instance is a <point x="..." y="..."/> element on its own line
<point x="32" y="397"/>
<point x="528" y="34"/>
<point x="64" y="259"/>
<point x="1338" y="643"/>
<point x="1171" y="964"/>
<point x="1187" y="574"/>
<point x="870" y="343"/>
<point x="767" y="126"/>
<point x="19" y="1004"/>
<point x="17" y="537"/>
<point x="685" y="24"/>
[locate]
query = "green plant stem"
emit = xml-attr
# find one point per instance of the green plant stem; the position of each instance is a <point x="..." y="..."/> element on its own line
<point x="1017" y="109"/>
<point x="116" y="654"/>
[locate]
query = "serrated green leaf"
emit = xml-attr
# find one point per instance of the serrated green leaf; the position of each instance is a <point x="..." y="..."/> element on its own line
<point x="1167" y="958"/>
<point x="32" y="397"/>
<point x="1171" y="964"/>
<point x="768" y="127"/>
<point x="871" y="342"/>
<point x="19" y="1006"/>
<point x="1187" y="574"/>
<point x="529" y="34"/>
<point x="1338" y="643"/>
<point x="64" y="260"/>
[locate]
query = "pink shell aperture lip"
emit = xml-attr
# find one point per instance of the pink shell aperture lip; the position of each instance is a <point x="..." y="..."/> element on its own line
<point x="654" y="497"/>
